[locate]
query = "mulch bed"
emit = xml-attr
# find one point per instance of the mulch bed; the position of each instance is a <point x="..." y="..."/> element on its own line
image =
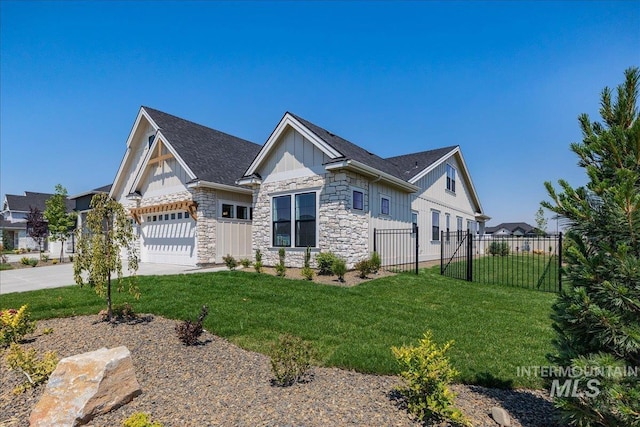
<point x="219" y="384"/>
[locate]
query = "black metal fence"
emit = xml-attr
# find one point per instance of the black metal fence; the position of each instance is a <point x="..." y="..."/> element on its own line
<point x="397" y="248"/>
<point x="524" y="261"/>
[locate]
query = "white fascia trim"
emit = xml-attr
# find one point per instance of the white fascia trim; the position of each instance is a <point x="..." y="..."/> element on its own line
<point x="143" y="167"/>
<point x="249" y="181"/>
<point x="433" y="165"/>
<point x="472" y="188"/>
<point x="216" y="186"/>
<point x="368" y="170"/>
<point x="289" y="120"/>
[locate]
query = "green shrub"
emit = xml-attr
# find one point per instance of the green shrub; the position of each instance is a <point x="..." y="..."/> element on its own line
<point x="499" y="248"/>
<point x="290" y="360"/>
<point x="339" y="268"/>
<point x="364" y="268"/>
<point x="140" y="419"/>
<point x="427" y="374"/>
<point x="281" y="270"/>
<point x="258" y="264"/>
<point x="44" y="258"/>
<point x="307" y="257"/>
<point x="325" y="263"/>
<point x="376" y="262"/>
<point x="307" y="273"/>
<point x="24" y="260"/>
<point x="33" y="262"/>
<point x="14" y="325"/>
<point x="29" y="364"/>
<point x="245" y="262"/>
<point x="230" y="262"/>
<point x="188" y="331"/>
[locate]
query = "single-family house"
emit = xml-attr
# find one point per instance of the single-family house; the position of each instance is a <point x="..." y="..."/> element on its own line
<point x="15" y="210"/>
<point x="82" y="202"/>
<point x="178" y="179"/>
<point x="197" y="194"/>
<point x="517" y="229"/>
<point x="312" y="188"/>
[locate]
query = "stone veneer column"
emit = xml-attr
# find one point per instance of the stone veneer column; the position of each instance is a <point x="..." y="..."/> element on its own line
<point x="206" y="225"/>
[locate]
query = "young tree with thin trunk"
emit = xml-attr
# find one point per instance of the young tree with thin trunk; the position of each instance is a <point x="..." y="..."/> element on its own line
<point x="61" y="222"/>
<point x="107" y="234"/>
<point x="597" y="319"/>
<point x="37" y="227"/>
<point x="541" y="223"/>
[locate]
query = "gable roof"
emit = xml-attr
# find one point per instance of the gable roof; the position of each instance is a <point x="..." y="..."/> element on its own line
<point x="352" y="151"/>
<point x="31" y="199"/>
<point x="211" y="155"/>
<point x="103" y="189"/>
<point x="511" y="226"/>
<point x="412" y="164"/>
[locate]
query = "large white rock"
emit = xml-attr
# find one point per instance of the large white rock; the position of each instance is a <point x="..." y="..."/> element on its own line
<point x="85" y="385"/>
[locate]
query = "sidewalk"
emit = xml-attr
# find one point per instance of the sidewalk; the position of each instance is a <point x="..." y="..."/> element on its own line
<point x="55" y="276"/>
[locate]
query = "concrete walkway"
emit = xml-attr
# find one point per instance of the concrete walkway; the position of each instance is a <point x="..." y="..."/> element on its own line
<point x="55" y="276"/>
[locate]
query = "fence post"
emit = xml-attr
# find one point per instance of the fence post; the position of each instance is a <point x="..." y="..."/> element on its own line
<point x="417" y="247"/>
<point x="374" y="240"/>
<point x="441" y="253"/>
<point x="469" y="257"/>
<point x="560" y="262"/>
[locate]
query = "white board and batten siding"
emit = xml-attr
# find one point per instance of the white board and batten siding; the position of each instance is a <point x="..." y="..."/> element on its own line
<point x="434" y="196"/>
<point x="294" y="156"/>
<point x="233" y="235"/>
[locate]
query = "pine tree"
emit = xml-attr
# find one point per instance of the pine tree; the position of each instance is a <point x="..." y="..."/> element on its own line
<point x="108" y="233"/>
<point x="597" y="319"/>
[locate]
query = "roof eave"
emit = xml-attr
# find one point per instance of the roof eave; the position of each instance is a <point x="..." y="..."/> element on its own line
<point x="359" y="167"/>
<point x="217" y="186"/>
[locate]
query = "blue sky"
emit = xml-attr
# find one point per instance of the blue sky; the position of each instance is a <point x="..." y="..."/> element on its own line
<point x="504" y="80"/>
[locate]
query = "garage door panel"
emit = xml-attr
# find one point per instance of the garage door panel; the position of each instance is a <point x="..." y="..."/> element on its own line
<point x="169" y="241"/>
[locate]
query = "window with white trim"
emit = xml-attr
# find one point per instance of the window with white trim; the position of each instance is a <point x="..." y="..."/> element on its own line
<point x="357" y="200"/>
<point x="294" y="224"/>
<point x="451" y="178"/>
<point x="435" y="226"/>
<point x="235" y="210"/>
<point x="385" y="205"/>
<point x="447" y="221"/>
<point x="459" y="227"/>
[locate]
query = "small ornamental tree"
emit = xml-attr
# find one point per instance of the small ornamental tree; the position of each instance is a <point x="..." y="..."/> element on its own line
<point x="597" y="319"/>
<point x="61" y="222"/>
<point x="108" y="233"/>
<point x="541" y="222"/>
<point x="37" y="227"/>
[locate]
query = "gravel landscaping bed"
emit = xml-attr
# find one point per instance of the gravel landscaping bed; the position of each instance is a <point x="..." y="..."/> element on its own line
<point x="220" y="384"/>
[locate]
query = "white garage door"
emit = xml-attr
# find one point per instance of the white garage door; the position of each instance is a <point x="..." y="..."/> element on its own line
<point x="169" y="238"/>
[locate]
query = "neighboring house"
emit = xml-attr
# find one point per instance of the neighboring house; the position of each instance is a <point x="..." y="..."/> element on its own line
<point x="177" y="178"/>
<point x="15" y="209"/>
<point x="82" y="202"/>
<point x="197" y="194"/>
<point x="512" y="229"/>
<point x="315" y="189"/>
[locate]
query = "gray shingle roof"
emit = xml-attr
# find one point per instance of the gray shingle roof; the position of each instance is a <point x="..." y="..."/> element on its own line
<point x="511" y="226"/>
<point x="352" y="151"/>
<point x="31" y="199"/>
<point x="211" y="155"/>
<point x="412" y="164"/>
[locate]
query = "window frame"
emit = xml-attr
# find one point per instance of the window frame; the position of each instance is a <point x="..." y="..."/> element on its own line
<point x="435" y="225"/>
<point x="447" y="219"/>
<point x="234" y="210"/>
<point x="450" y="173"/>
<point x="293" y="221"/>
<point x="355" y="190"/>
<point x="388" y="199"/>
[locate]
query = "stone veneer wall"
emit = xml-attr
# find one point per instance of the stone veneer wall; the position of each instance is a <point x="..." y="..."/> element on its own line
<point x="340" y="230"/>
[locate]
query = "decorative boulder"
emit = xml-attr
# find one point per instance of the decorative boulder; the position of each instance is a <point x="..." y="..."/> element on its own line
<point x="86" y="385"/>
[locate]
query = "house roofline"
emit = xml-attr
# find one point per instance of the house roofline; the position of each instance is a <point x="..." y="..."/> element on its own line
<point x="357" y="166"/>
<point x="217" y="186"/>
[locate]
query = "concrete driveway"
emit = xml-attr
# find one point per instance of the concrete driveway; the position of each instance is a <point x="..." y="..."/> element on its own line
<point x="55" y="276"/>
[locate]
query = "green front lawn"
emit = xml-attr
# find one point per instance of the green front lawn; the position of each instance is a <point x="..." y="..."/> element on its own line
<point x="496" y="329"/>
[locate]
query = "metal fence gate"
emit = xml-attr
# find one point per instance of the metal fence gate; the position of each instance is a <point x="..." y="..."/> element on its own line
<point x="524" y="261"/>
<point x="397" y="248"/>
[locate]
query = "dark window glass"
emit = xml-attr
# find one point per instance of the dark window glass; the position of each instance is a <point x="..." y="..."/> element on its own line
<point x="242" y="212"/>
<point x="281" y="212"/>
<point x="179" y="215"/>
<point x="384" y="206"/>
<point x="306" y="220"/>
<point x="227" y="211"/>
<point x="435" y="226"/>
<point x="358" y="200"/>
<point x="173" y="216"/>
